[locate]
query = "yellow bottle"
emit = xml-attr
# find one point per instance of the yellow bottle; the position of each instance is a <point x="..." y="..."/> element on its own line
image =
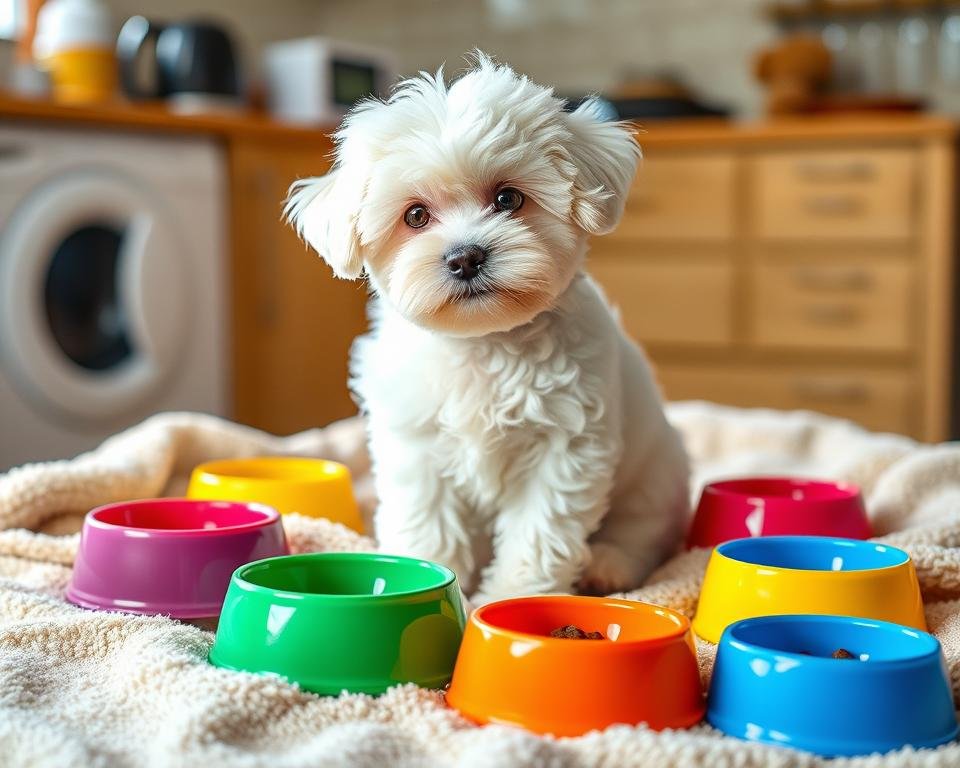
<point x="75" y="43"/>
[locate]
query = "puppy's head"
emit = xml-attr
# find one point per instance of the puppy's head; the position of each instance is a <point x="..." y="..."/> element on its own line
<point x="468" y="205"/>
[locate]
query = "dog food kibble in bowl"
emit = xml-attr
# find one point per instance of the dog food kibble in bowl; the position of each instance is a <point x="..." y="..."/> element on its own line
<point x="778" y="575"/>
<point x="311" y="487"/>
<point x="777" y="506"/>
<point x="780" y="680"/>
<point x="169" y="556"/>
<point x="570" y="632"/>
<point x="513" y="670"/>
<point x="337" y="621"/>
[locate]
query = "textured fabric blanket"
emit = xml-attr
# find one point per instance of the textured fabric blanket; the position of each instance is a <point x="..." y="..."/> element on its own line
<point x="90" y="689"/>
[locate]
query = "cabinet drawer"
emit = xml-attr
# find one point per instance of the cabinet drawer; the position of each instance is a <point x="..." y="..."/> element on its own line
<point x="881" y="400"/>
<point x="681" y="198"/>
<point x="686" y="302"/>
<point x="846" y="305"/>
<point x="834" y="195"/>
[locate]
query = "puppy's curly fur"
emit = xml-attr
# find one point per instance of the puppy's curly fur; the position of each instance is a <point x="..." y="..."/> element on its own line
<point x="516" y="433"/>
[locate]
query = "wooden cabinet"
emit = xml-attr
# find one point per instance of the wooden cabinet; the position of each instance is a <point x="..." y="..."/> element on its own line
<point x="802" y="264"/>
<point x="682" y="197"/>
<point x="293" y="321"/>
<point x="842" y="305"/>
<point x="823" y="195"/>
<point x="878" y="398"/>
<point x="685" y="302"/>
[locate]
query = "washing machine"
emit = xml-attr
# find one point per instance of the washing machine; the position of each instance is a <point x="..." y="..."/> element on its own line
<point x="112" y="285"/>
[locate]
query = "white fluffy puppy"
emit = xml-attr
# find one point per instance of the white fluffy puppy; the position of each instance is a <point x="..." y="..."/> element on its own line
<point x="516" y="434"/>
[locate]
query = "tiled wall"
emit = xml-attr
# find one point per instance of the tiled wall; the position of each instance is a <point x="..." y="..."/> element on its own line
<point x="577" y="45"/>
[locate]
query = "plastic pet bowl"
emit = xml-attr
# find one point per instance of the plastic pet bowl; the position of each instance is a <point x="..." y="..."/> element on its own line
<point x="511" y="671"/>
<point x="775" y="681"/>
<point x="775" y="506"/>
<point x="779" y="575"/>
<point x="169" y="556"/>
<point x="311" y="487"/>
<point x="335" y="622"/>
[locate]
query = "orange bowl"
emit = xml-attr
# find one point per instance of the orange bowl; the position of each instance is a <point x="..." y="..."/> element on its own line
<point x="511" y="671"/>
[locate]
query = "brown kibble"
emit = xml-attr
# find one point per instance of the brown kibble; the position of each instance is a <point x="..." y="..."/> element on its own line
<point x="571" y="632"/>
<point x="568" y="632"/>
<point x="843" y="653"/>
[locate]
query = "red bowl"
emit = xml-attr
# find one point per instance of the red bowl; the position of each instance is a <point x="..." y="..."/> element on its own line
<point x="777" y="506"/>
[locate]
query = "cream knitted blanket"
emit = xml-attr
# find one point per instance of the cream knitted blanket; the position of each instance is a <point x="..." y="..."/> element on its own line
<point x="98" y="689"/>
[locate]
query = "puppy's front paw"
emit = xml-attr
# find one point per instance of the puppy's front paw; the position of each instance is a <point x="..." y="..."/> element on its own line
<point x="610" y="570"/>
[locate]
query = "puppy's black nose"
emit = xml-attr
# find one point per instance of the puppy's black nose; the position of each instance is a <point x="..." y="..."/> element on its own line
<point x="464" y="261"/>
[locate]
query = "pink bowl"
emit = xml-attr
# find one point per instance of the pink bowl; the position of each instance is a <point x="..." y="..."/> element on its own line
<point x="776" y="506"/>
<point x="169" y="556"/>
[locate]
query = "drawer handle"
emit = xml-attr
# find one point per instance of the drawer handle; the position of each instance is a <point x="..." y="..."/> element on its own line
<point x="833" y="205"/>
<point x="855" y="170"/>
<point x="831" y="391"/>
<point x="831" y="314"/>
<point x="813" y="279"/>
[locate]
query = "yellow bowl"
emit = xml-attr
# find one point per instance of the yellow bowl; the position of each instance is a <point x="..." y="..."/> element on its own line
<point x="312" y="487"/>
<point x="781" y="575"/>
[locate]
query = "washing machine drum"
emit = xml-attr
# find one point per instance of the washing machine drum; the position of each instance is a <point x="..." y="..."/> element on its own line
<point x="93" y="304"/>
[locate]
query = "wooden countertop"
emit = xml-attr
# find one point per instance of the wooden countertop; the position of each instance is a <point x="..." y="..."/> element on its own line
<point x="153" y="116"/>
<point x="851" y="127"/>
<point x="657" y="133"/>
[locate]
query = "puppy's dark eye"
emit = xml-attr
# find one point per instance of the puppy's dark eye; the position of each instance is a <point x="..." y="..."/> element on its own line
<point x="416" y="216"/>
<point x="508" y="199"/>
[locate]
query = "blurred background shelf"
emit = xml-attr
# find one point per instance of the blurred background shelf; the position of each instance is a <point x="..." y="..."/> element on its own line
<point x="789" y="241"/>
<point x="777" y="264"/>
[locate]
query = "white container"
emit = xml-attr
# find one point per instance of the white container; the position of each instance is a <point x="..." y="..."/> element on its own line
<point x="68" y="25"/>
<point x="74" y="43"/>
<point x="315" y="80"/>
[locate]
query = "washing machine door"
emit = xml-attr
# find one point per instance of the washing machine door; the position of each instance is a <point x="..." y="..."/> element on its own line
<point x="93" y="304"/>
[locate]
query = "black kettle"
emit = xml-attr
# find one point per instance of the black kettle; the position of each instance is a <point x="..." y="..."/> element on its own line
<point x="190" y="58"/>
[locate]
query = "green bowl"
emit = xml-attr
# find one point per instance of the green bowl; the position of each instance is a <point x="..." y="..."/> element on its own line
<point x="336" y="621"/>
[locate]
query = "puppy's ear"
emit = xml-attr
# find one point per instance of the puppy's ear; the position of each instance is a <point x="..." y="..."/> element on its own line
<point x="324" y="212"/>
<point x="605" y="154"/>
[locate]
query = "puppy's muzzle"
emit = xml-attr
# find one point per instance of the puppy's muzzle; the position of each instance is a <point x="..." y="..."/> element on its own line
<point x="464" y="261"/>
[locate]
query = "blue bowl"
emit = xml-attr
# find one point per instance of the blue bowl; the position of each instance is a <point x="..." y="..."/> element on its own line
<point x="775" y="681"/>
